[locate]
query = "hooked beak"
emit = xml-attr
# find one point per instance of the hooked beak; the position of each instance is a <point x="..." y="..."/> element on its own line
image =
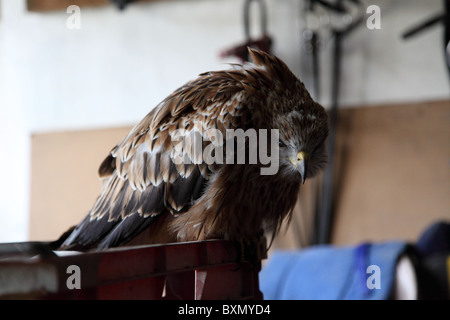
<point x="300" y="164"/>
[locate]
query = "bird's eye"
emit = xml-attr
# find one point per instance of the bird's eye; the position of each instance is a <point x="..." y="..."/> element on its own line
<point x="281" y="144"/>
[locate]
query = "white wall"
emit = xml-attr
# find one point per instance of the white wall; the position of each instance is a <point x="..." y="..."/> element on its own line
<point x="119" y="65"/>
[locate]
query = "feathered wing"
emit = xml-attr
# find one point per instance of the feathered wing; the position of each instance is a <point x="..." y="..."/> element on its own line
<point x="143" y="178"/>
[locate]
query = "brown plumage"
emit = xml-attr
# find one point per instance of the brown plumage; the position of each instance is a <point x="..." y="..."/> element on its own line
<point x="149" y="197"/>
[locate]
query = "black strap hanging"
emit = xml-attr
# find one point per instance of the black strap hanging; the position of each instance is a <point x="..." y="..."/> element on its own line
<point x="263" y="42"/>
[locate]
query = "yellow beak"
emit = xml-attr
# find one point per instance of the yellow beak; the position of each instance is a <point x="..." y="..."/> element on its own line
<point x="300" y="164"/>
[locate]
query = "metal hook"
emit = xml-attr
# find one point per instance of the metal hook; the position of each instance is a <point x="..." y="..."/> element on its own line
<point x="262" y="15"/>
<point x="263" y="42"/>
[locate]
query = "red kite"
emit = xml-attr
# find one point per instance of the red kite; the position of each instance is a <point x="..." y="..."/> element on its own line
<point x="150" y="197"/>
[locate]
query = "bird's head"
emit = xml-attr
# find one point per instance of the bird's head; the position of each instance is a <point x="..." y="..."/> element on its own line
<point x="302" y="123"/>
<point x="302" y="135"/>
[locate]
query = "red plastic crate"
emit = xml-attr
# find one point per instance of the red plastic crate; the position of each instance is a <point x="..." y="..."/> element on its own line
<point x="201" y="270"/>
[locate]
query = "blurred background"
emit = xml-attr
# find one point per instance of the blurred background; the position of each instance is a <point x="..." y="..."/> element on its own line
<point x="76" y="75"/>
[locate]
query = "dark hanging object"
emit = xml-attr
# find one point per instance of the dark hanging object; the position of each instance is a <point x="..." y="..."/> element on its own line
<point x="437" y="19"/>
<point x="121" y="4"/>
<point x="263" y="42"/>
<point x="324" y="211"/>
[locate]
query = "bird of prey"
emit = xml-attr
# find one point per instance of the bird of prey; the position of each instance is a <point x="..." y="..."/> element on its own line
<point x="148" y="197"/>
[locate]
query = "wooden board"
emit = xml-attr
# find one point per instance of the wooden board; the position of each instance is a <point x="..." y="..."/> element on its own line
<point x="394" y="179"/>
<point x="50" y="5"/>
<point x="64" y="179"/>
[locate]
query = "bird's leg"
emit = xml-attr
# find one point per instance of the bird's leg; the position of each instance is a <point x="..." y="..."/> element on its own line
<point x="242" y="250"/>
<point x="247" y="249"/>
<point x="252" y="248"/>
<point x="240" y="244"/>
<point x="259" y="248"/>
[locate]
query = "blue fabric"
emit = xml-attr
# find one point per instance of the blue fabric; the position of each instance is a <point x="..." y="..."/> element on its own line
<point x="331" y="273"/>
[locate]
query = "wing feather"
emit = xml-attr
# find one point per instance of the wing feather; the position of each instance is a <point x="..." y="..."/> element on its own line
<point x="142" y="178"/>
